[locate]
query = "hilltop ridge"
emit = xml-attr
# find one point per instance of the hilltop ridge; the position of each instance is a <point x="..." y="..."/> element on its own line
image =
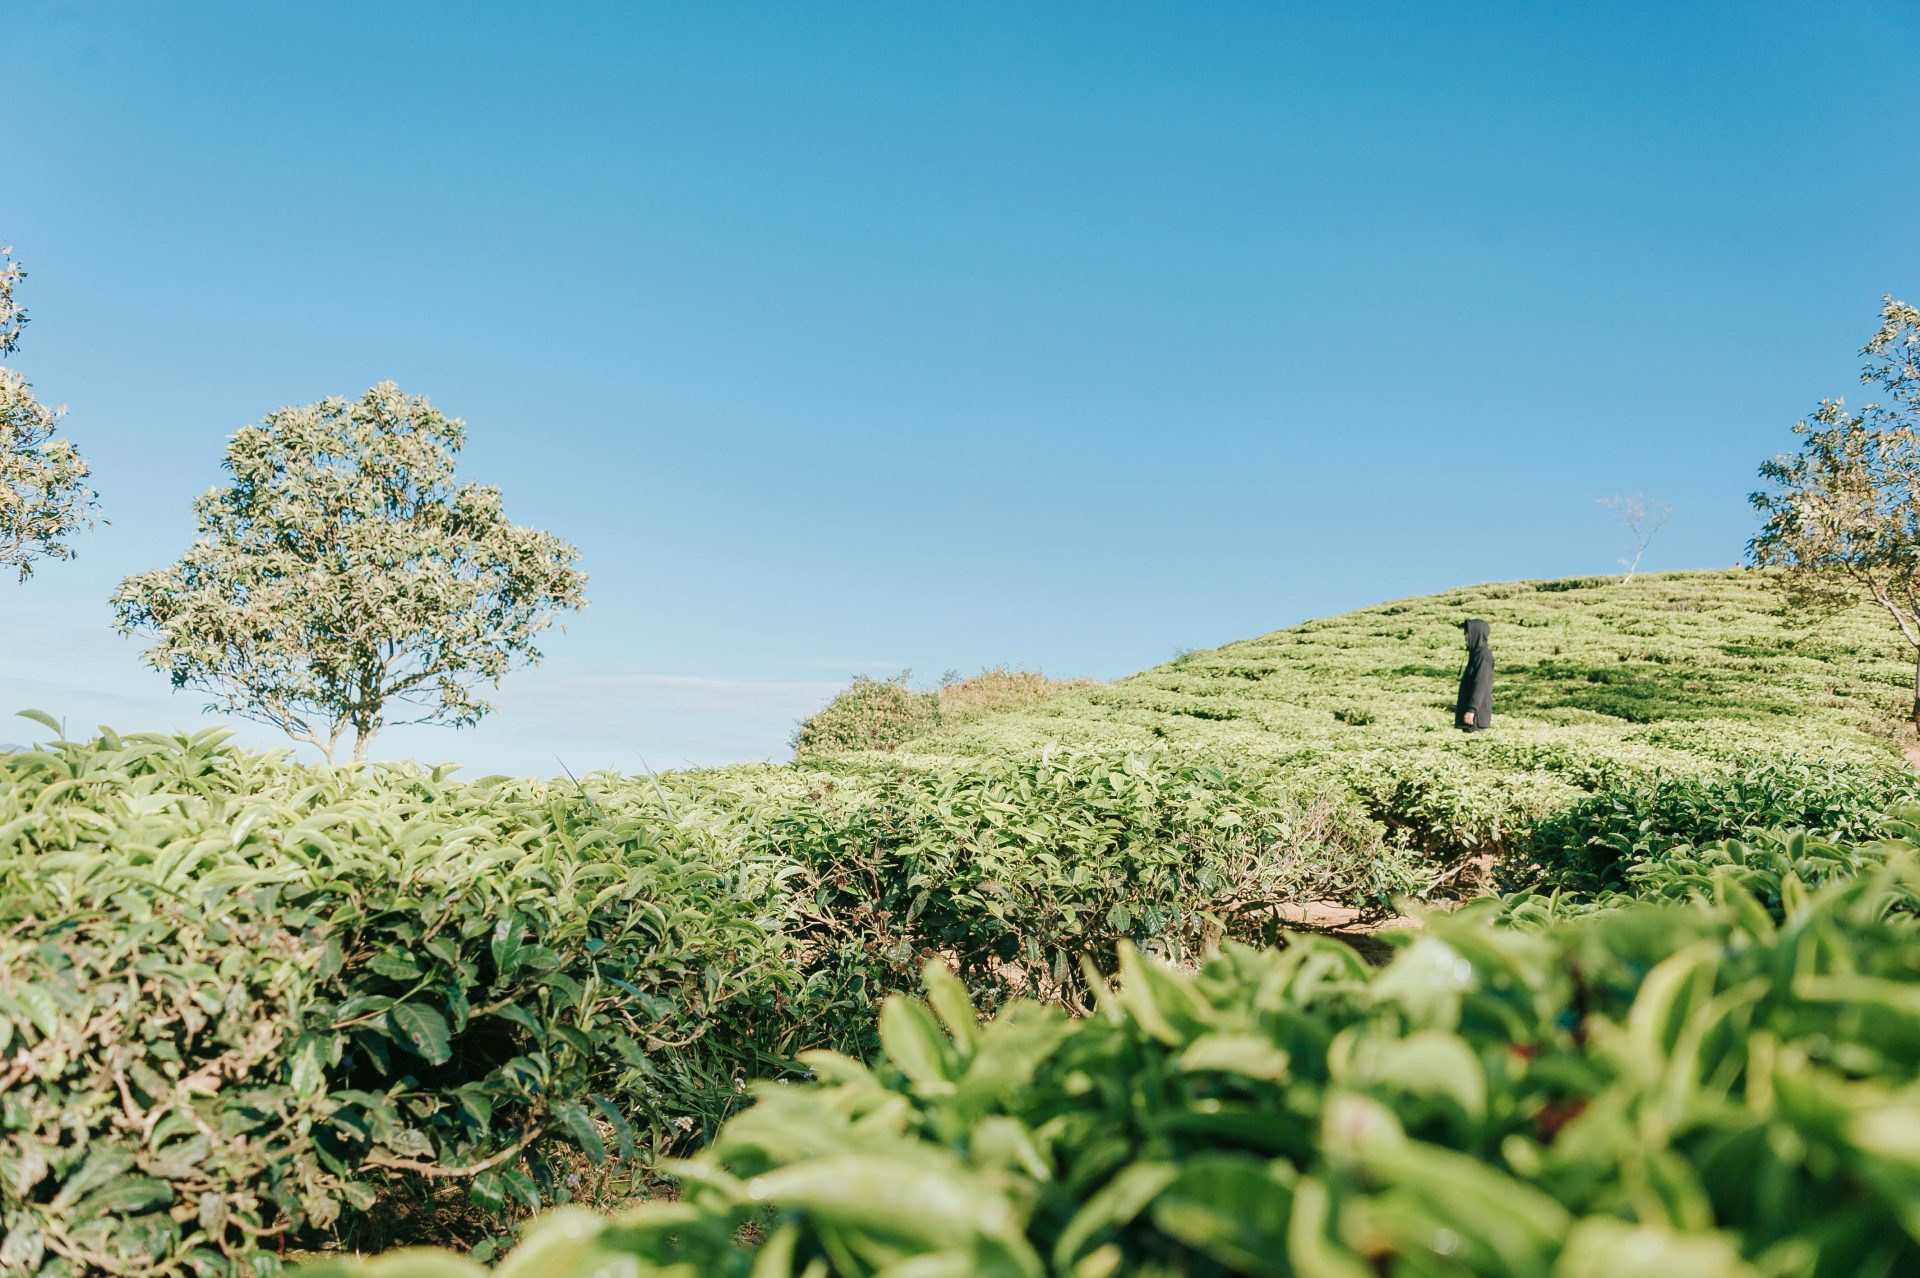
<point x="1598" y="681"/>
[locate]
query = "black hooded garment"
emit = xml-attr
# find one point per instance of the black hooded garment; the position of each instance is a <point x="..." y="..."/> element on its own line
<point x="1476" y="681"/>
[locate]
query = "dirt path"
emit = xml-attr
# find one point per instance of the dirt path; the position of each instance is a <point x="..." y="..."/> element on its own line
<point x="1912" y="751"/>
<point x="1343" y="923"/>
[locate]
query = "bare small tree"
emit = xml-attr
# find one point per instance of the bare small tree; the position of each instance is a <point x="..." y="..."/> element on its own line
<point x="1643" y="519"/>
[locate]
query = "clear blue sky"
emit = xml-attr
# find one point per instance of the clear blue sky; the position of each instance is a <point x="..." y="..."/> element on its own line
<point x="850" y="337"/>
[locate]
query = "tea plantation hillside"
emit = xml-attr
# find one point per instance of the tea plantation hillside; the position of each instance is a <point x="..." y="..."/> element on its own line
<point x="249" y="1006"/>
<point x="1600" y="685"/>
<point x="1693" y="1053"/>
<point x="1720" y="647"/>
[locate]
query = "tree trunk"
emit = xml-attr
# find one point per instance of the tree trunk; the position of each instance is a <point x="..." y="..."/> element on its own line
<point x="362" y="737"/>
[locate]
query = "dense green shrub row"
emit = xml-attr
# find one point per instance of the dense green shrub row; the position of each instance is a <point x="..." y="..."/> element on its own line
<point x="1596" y="845"/>
<point x="1602" y="687"/>
<point x="239" y="997"/>
<point x="1716" y="1089"/>
<point x="1016" y="871"/>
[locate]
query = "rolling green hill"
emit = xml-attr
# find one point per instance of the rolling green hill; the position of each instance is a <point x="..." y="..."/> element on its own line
<point x="1599" y="683"/>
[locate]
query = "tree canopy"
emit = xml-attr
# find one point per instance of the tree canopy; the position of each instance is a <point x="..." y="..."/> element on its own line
<point x="1842" y="515"/>
<point x="44" y="494"/>
<point x="345" y="582"/>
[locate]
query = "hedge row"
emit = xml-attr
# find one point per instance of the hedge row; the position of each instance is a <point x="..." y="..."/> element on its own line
<point x="239" y="998"/>
<point x="1599" y="845"/>
<point x="1015" y="871"/>
<point x="1717" y="1089"/>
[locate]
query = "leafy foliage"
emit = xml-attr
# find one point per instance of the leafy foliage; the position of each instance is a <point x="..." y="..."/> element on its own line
<point x="1842" y="516"/>
<point x="873" y="714"/>
<point x="1017" y="871"/>
<point x="343" y="577"/>
<point x="237" y="997"/>
<point x="1604" y="691"/>
<point x="1597" y="846"/>
<point x="44" y="495"/>
<point x="1711" y="1089"/>
<point x="262" y="992"/>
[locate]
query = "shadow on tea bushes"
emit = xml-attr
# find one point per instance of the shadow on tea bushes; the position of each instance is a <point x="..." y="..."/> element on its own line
<point x="1702" y="1089"/>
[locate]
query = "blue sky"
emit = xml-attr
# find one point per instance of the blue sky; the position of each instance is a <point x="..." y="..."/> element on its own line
<point x="851" y="337"/>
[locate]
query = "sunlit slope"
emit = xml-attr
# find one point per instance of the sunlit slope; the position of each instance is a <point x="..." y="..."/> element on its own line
<point x="1671" y="673"/>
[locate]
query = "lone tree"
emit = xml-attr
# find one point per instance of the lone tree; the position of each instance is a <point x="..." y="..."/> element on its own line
<point x="1842" y="518"/>
<point x="1643" y="519"/>
<point x="343" y="577"/>
<point x="44" y="496"/>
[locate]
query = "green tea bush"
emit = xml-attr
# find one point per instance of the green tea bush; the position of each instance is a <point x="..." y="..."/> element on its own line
<point x="1016" y="871"/>
<point x="875" y="714"/>
<point x="1595" y="845"/>
<point x="1602" y="688"/>
<point x="872" y="714"/>
<point x="1703" y="1090"/>
<point x="998" y="690"/>
<point x="238" y="997"/>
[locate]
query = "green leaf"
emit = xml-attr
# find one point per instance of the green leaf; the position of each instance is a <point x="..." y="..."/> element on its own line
<point x="39" y="1008"/>
<point x="422" y="1031"/>
<point x="1248" y="1055"/>
<point x="1111" y="1208"/>
<point x="125" y="1196"/>
<point x="523" y="1018"/>
<point x="916" y="1047"/>
<point x="1231" y="1210"/>
<point x="507" y="945"/>
<point x="396" y="963"/>
<point x="556" y="1245"/>
<point x="948" y="998"/>
<point x="42" y="718"/>
<point x="577" y="1125"/>
<point x="622" y="1129"/>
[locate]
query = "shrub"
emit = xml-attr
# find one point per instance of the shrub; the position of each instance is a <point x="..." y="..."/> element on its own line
<point x="997" y="690"/>
<point x="237" y="997"/>
<point x="1015" y="871"/>
<point x="872" y="714"/>
<point x="881" y="715"/>
<point x="1594" y="846"/>
<point x="1694" y="1090"/>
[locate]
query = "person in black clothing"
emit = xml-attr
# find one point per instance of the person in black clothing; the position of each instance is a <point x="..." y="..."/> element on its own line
<point x="1473" y="711"/>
